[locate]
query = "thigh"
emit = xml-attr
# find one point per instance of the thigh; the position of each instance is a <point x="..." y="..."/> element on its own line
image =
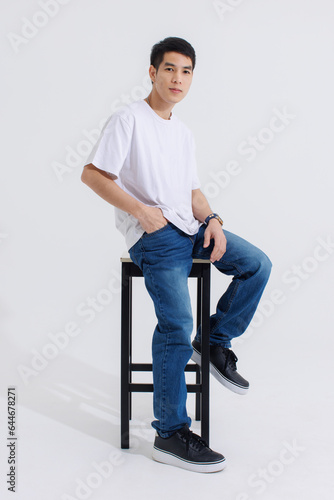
<point x="165" y="249"/>
<point x="240" y="257"/>
<point x="164" y="257"/>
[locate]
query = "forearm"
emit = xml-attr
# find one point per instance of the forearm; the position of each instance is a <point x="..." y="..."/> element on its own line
<point x="213" y="231"/>
<point x="150" y="218"/>
<point x="101" y="183"/>
<point x="200" y="206"/>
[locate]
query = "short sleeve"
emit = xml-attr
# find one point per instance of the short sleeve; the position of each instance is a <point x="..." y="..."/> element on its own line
<point x="195" y="180"/>
<point x="112" y="147"/>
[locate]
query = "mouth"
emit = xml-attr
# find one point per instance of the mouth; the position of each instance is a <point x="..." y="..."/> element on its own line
<point x="175" y="91"/>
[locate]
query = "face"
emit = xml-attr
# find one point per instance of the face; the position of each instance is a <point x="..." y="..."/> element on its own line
<point x="173" y="78"/>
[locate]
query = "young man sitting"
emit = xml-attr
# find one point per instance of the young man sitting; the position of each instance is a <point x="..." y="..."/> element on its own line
<point x="144" y="165"/>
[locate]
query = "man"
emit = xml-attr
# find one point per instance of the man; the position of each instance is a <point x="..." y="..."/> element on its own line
<point x="144" y="164"/>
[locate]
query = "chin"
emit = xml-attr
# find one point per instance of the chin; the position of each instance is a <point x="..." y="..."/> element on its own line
<point x="176" y="98"/>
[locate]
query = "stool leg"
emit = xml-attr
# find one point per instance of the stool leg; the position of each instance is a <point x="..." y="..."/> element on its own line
<point x="198" y="370"/>
<point x="205" y="350"/>
<point x="125" y="355"/>
<point x="130" y="344"/>
<point x="198" y="395"/>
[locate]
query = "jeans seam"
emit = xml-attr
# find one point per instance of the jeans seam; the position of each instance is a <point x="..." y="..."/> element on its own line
<point x="214" y="328"/>
<point x="133" y="257"/>
<point x="163" y="395"/>
<point x="200" y="255"/>
<point x="163" y="398"/>
<point x="192" y="241"/>
<point x="236" y="286"/>
<point x="156" y="289"/>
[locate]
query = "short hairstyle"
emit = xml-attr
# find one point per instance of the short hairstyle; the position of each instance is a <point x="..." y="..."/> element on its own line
<point x="171" y="44"/>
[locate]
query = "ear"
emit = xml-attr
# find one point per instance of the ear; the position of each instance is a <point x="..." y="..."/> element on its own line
<point x="152" y="72"/>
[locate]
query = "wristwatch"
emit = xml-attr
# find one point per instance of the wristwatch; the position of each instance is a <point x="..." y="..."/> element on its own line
<point x="213" y="216"/>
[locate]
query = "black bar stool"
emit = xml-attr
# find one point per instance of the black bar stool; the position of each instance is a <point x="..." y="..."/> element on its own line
<point x="200" y="270"/>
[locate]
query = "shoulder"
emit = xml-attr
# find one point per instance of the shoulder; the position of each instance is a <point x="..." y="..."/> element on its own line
<point x="128" y="113"/>
<point x="122" y="119"/>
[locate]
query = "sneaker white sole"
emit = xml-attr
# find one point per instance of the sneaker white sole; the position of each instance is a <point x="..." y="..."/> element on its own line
<point x="166" y="457"/>
<point x="219" y="376"/>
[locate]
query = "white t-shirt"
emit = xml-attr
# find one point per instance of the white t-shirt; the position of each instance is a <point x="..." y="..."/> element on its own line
<point x="153" y="160"/>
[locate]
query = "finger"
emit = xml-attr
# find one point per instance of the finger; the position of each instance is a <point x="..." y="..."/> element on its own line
<point x="206" y="239"/>
<point x="212" y="258"/>
<point x="214" y="254"/>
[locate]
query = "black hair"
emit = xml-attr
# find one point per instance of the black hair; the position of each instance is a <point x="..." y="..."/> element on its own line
<point x="171" y="44"/>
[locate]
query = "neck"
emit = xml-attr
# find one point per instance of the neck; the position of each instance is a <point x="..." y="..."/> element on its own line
<point x="162" y="108"/>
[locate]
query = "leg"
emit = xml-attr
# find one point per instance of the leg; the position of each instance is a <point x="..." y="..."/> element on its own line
<point x="165" y="259"/>
<point x="125" y="355"/>
<point x="250" y="269"/>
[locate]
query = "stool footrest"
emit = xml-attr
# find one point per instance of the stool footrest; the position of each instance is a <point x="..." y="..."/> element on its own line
<point x="141" y="367"/>
<point x="149" y="387"/>
<point x="147" y="367"/>
<point x="140" y="387"/>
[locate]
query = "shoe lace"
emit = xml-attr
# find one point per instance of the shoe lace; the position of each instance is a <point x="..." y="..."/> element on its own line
<point x="196" y="441"/>
<point x="230" y="358"/>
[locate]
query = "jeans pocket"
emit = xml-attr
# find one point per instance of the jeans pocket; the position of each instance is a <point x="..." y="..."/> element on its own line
<point x="147" y="235"/>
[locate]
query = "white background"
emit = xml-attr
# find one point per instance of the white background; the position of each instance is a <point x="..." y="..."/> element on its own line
<point x="59" y="247"/>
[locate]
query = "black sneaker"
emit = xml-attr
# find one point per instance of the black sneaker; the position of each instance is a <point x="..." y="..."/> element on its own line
<point x="187" y="450"/>
<point x="223" y="367"/>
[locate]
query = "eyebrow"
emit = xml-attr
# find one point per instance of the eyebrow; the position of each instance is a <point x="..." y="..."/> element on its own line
<point x="171" y="64"/>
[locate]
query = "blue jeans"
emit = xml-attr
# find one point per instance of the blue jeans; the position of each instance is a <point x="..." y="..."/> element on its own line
<point x="165" y="258"/>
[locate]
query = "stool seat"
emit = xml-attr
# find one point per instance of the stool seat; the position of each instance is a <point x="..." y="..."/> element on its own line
<point x="201" y="269"/>
<point x="126" y="258"/>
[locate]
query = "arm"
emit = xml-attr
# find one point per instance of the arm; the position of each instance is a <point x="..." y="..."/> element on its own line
<point x="201" y="209"/>
<point x="150" y="218"/>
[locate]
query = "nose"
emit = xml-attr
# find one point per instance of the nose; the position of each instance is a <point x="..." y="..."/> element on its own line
<point x="177" y="77"/>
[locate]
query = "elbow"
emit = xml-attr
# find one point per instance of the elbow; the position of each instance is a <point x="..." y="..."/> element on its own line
<point x="85" y="176"/>
<point x="92" y="176"/>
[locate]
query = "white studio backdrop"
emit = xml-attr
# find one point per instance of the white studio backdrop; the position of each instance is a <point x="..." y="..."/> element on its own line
<point x="261" y="109"/>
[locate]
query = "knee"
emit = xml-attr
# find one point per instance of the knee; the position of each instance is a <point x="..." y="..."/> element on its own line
<point x="184" y="326"/>
<point x="179" y="321"/>
<point x="179" y="335"/>
<point x="264" y="266"/>
<point x="186" y="336"/>
<point x="182" y="335"/>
